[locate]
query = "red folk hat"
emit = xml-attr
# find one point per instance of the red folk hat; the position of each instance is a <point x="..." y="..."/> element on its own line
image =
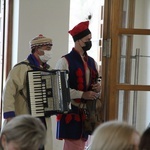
<point x="80" y="30"/>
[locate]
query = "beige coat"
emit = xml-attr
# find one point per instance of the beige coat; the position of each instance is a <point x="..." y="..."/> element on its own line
<point x="14" y="97"/>
<point x="15" y="91"/>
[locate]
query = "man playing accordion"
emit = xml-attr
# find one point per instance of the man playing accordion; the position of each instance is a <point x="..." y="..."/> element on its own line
<point x="14" y="100"/>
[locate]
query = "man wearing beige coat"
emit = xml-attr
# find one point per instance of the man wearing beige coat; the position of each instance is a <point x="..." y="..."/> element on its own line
<point x="14" y="100"/>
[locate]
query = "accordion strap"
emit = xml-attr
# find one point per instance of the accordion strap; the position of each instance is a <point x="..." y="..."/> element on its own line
<point x="24" y="97"/>
<point x="29" y="64"/>
<point x="25" y="63"/>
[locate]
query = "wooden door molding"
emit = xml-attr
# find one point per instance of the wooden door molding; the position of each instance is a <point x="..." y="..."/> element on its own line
<point x="113" y="28"/>
<point x="115" y="88"/>
<point x="7" y="43"/>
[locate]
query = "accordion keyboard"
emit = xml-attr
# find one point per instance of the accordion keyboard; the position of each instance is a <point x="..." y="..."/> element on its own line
<point x="48" y="92"/>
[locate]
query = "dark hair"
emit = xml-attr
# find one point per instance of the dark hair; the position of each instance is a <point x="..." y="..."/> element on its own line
<point x="32" y="50"/>
<point x="145" y="140"/>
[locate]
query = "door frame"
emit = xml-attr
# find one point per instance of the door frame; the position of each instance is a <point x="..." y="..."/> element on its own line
<point x="110" y="64"/>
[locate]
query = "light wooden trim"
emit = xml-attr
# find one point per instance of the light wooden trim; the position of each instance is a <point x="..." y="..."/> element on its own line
<point x="110" y="68"/>
<point x="130" y="31"/>
<point x="105" y="66"/>
<point x="8" y="39"/>
<point x="133" y="87"/>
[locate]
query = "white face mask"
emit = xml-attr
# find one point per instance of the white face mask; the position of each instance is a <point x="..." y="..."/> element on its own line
<point x="47" y="55"/>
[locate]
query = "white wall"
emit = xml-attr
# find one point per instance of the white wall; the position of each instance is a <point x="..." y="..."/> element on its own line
<point x="47" y="17"/>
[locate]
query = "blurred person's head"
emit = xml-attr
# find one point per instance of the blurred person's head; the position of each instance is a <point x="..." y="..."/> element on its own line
<point x="23" y="132"/>
<point x="145" y="140"/>
<point x="114" y="135"/>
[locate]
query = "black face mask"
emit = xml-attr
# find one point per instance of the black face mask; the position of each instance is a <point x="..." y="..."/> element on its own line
<point x="87" y="46"/>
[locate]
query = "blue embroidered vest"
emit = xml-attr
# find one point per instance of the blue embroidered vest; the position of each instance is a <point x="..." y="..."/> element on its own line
<point x="77" y="74"/>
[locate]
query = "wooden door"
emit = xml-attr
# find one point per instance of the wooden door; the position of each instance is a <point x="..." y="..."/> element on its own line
<point x="125" y="61"/>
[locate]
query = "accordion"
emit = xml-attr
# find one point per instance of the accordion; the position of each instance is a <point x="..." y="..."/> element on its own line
<point x="48" y="92"/>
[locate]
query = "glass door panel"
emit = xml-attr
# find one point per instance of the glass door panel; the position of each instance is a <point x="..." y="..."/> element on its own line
<point x="136" y="14"/>
<point x="125" y="80"/>
<point x="133" y="107"/>
<point x="134" y="59"/>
